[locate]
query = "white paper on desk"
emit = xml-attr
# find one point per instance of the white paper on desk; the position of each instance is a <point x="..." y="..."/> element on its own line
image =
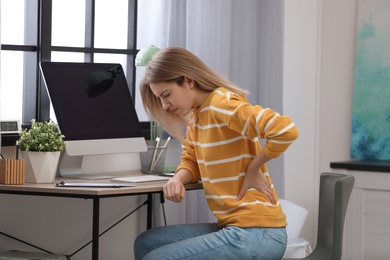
<point x="92" y="185"/>
<point x="145" y="178"/>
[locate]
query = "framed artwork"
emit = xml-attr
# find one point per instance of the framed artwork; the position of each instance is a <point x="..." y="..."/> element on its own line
<point x="370" y="137"/>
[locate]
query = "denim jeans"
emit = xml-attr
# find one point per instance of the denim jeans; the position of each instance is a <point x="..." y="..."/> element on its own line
<point x="206" y="241"/>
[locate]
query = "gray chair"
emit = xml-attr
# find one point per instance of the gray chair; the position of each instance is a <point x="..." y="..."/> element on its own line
<point x="335" y="190"/>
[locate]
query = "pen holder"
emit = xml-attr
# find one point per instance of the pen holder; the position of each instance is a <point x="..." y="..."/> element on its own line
<point x="12" y="171"/>
<point x="153" y="161"/>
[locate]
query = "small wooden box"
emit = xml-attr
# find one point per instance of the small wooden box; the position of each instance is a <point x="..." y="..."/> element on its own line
<point x="12" y="171"/>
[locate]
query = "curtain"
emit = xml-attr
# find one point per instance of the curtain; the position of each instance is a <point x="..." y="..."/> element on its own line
<point x="241" y="40"/>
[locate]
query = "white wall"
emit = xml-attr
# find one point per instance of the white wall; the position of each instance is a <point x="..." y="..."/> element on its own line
<point x="318" y="81"/>
<point x="300" y="102"/>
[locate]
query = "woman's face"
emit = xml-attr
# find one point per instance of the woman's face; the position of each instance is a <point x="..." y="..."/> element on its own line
<point x="179" y="99"/>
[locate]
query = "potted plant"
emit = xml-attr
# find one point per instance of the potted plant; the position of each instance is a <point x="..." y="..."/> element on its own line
<point x="40" y="147"/>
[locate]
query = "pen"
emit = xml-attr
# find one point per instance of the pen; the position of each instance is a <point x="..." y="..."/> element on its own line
<point x="160" y="154"/>
<point x="155" y="153"/>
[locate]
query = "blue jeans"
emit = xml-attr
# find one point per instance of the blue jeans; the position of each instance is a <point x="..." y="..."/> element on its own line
<point x="207" y="241"/>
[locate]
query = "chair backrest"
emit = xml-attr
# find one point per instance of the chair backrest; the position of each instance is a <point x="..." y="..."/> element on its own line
<point x="335" y="190"/>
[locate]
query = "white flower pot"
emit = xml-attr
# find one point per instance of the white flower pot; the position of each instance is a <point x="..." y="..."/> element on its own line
<point x="40" y="167"/>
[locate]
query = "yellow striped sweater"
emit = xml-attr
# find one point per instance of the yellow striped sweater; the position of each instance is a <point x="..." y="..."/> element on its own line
<point x="221" y="143"/>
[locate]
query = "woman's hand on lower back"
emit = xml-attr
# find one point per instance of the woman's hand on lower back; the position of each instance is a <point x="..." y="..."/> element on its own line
<point x="259" y="182"/>
<point x="256" y="179"/>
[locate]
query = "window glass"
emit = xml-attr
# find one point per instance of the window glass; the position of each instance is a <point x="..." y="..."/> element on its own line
<point x="68" y="23"/>
<point x="67" y="56"/>
<point x="12" y="21"/>
<point x="111" y="58"/>
<point x="11" y="85"/>
<point x="111" y="24"/>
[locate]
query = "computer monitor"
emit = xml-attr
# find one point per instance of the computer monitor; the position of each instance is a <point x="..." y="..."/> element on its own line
<point x="103" y="133"/>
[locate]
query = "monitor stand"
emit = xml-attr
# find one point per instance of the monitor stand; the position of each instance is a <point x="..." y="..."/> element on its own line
<point x="97" y="166"/>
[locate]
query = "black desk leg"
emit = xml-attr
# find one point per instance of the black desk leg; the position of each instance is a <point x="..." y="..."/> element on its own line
<point x="149" y="213"/>
<point x="95" y="228"/>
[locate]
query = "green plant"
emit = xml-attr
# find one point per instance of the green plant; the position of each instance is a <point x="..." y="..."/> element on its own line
<point x="42" y="136"/>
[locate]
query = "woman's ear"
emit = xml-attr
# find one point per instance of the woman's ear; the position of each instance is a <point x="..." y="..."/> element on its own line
<point x="189" y="81"/>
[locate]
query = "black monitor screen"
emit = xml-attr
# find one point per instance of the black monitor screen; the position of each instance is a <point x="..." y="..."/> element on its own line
<point x="109" y="115"/>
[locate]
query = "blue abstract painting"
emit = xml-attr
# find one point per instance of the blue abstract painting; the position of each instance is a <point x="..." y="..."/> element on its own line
<point x="370" y="137"/>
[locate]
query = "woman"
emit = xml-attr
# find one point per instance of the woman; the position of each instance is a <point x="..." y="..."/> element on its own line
<point x="221" y="148"/>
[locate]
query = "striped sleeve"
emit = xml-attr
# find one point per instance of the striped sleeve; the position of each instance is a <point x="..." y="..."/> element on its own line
<point x="188" y="159"/>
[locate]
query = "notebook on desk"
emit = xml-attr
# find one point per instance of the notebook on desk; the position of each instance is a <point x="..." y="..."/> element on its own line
<point x="143" y="178"/>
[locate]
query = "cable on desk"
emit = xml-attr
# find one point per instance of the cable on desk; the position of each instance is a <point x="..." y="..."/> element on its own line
<point x="162" y="200"/>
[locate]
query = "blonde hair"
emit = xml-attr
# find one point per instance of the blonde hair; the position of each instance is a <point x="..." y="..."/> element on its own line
<point x="172" y="65"/>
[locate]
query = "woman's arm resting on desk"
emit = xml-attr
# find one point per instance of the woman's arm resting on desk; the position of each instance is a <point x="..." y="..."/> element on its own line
<point x="174" y="190"/>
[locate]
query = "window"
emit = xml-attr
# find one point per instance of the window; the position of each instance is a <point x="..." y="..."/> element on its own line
<point x="59" y="30"/>
<point x="19" y="52"/>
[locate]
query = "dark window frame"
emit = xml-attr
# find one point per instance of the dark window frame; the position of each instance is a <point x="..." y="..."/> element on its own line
<point x="36" y="103"/>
